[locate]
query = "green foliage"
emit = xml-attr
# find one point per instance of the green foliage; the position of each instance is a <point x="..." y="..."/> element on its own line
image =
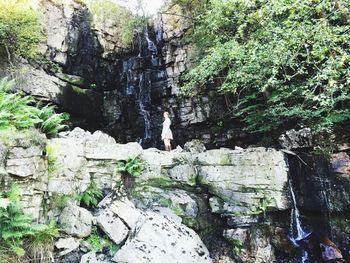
<point x="98" y="243"/>
<point x="20" y="28"/>
<point x="42" y="243"/>
<point x="95" y="241"/>
<point x="133" y="166"/>
<point x="59" y="201"/>
<point x="91" y="195"/>
<point x="49" y="121"/>
<point x="17" y="227"/>
<point x="14" y="224"/>
<point x="16" y="111"/>
<point x="51" y="158"/>
<point x="106" y="11"/>
<point x="284" y="62"/>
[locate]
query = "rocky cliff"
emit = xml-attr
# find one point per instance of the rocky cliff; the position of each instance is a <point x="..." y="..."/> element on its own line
<point x="238" y="199"/>
<point x="123" y="89"/>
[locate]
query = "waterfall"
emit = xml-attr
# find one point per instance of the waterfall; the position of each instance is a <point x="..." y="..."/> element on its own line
<point x="144" y="101"/>
<point x="143" y="72"/>
<point x="297" y="234"/>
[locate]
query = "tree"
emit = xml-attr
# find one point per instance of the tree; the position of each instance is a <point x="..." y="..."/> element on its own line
<point x="20" y="28"/>
<point x="284" y="62"/>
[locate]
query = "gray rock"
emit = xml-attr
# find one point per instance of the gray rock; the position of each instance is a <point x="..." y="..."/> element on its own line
<point x="89" y="258"/>
<point x="242" y="220"/>
<point x="112" y="226"/>
<point x="24" y="167"/>
<point x="293" y="139"/>
<point x="246" y="178"/>
<point x="67" y="244"/>
<point x="185" y="174"/>
<point x="341" y="164"/>
<point x="158" y="239"/>
<point x="102" y="146"/>
<point x="194" y="146"/>
<point x="76" y="221"/>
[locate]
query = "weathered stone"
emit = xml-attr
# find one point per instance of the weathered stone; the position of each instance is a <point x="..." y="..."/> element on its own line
<point x="159" y="239"/>
<point x="89" y="258"/>
<point x="293" y="139"/>
<point x="102" y="146"/>
<point x="185" y="174"/>
<point x="194" y="146"/>
<point x="39" y="84"/>
<point x="242" y="220"/>
<point x="24" y="167"/>
<point x="112" y="226"/>
<point x="341" y="163"/>
<point x="126" y="210"/>
<point x="179" y="201"/>
<point x="246" y="177"/>
<point x="76" y="221"/>
<point x="239" y="234"/>
<point x="67" y="245"/>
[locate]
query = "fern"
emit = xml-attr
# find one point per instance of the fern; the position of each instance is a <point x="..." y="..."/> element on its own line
<point x="14" y="224"/>
<point x="91" y="195"/>
<point x="16" y="110"/>
<point x="48" y="121"/>
<point x="133" y="166"/>
<point x="17" y="228"/>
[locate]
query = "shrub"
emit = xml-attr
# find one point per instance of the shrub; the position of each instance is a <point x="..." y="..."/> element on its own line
<point x="279" y="63"/>
<point x="133" y="166"/>
<point x="106" y="10"/>
<point x="20" y="28"/>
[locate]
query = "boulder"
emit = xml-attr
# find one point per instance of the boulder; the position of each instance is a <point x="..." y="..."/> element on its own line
<point x="112" y="226"/>
<point x="293" y="139"/>
<point x="89" y="258"/>
<point x="194" y="146"/>
<point x="156" y="238"/>
<point x="76" y="221"/>
<point x="102" y="146"/>
<point x="67" y="245"/>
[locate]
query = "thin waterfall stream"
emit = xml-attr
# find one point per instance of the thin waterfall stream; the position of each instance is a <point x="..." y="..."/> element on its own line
<point x="297" y="233"/>
<point x="142" y="72"/>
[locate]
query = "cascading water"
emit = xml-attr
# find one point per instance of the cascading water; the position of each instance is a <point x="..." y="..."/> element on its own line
<point x="142" y="73"/>
<point x="297" y="234"/>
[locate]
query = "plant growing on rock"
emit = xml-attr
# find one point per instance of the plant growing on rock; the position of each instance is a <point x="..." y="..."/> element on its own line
<point x="17" y="111"/>
<point x="91" y="195"/>
<point x="133" y="166"/>
<point x="18" y="233"/>
<point x="99" y="243"/>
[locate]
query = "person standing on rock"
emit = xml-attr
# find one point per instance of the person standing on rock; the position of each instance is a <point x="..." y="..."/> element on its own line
<point x="167" y="135"/>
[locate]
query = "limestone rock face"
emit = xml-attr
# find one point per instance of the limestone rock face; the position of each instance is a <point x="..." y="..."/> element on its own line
<point x="76" y="221"/>
<point x="245" y="178"/>
<point x="157" y="238"/>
